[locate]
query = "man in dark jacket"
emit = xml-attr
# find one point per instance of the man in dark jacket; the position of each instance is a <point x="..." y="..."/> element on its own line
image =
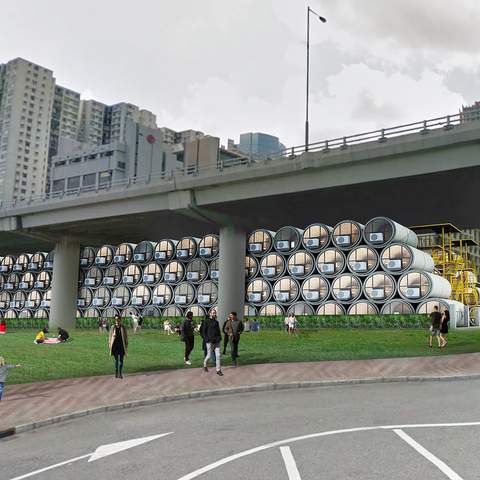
<point x="234" y="328"/>
<point x="212" y="337"/>
<point x="187" y="335"/>
<point x="201" y="330"/>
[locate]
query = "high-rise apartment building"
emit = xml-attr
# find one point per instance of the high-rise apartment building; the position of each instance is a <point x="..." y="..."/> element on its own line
<point x="469" y="113"/>
<point x="91" y="124"/>
<point x="26" y="101"/>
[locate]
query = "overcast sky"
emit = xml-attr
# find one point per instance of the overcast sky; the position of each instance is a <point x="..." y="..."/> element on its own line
<point x="232" y="66"/>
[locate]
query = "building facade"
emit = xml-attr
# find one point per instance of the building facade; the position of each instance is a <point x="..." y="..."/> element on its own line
<point x="258" y="144"/>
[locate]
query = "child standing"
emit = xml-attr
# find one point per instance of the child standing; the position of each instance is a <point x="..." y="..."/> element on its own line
<point x="3" y="374"/>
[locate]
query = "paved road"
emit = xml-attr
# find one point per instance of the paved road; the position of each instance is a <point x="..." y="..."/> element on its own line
<point x="217" y="429"/>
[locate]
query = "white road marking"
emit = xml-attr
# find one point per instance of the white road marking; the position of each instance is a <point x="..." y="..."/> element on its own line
<point x="251" y="451"/>
<point x="290" y="465"/>
<point x="100" y="452"/>
<point x="428" y="455"/>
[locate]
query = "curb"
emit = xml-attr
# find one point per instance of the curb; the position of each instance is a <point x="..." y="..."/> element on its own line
<point x="262" y="387"/>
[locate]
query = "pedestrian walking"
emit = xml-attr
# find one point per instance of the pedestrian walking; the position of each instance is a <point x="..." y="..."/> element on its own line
<point x="444" y="328"/>
<point x="187" y="332"/>
<point x="292" y="324"/>
<point x="135" y="322"/>
<point x="201" y="331"/>
<point x="234" y="328"/>
<point x="226" y="338"/>
<point x="3" y="374"/>
<point x="212" y="338"/>
<point x="118" y="345"/>
<point x="436" y="320"/>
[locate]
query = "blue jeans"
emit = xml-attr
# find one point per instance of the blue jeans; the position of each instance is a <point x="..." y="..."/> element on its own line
<point x="2" y="385"/>
<point x="118" y="363"/>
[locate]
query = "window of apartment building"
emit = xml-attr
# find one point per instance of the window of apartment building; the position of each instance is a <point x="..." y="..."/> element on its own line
<point x="73" y="182"/>
<point x="121" y="165"/>
<point x="89" y="179"/>
<point x="105" y="177"/>
<point x="58" y="185"/>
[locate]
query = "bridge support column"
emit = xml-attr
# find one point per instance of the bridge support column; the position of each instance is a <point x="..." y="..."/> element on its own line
<point x="65" y="284"/>
<point x="231" y="285"/>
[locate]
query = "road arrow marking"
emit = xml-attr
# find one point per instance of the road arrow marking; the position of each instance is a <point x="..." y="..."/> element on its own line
<point x="100" y="452"/>
<point x="290" y="464"/>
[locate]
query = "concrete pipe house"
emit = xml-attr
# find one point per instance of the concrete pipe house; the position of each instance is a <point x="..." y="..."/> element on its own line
<point x="416" y="286"/>
<point x="174" y="272"/>
<point x="27" y="281"/>
<point x="84" y="297"/>
<point x="123" y="254"/>
<point x="2" y="282"/>
<point x="207" y="293"/>
<point x="151" y="311"/>
<point x="272" y="266"/>
<point x="249" y="311"/>
<point x="21" y="264"/>
<point x="260" y="242"/>
<point x="10" y="314"/>
<point x="87" y="257"/>
<point x="258" y="292"/>
<point x="459" y="315"/>
<point x="315" y="289"/>
<point x="286" y="290"/>
<point x="165" y="250"/>
<point x="121" y="297"/>
<point x="152" y="274"/>
<point x="25" y="314"/>
<point x="397" y="307"/>
<point x="214" y="270"/>
<point x="173" y="311"/>
<point x="379" y="287"/>
<point x="46" y="299"/>
<point x="347" y="234"/>
<point x="7" y="263"/>
<point x="196" y="270"/>
<point x="398" y="258"/>
<point x="12" y="282"/>
<point x="288" y="240"/>
<point x="112" y="276"/>
<point x="251" y="267"/>
<point x="317" y="237"/>
<point x="162" y="295"/>
<point x="382" y="231"/>
<point x="331" y="262"/>
<point x="19" y="299"/>
<point x="5" y="299"/>
<point x="346" y="288"/>
<point x="43" y="281"/>
<point x="141" y="296"/>
<point x="132" y="275"/>
<point x="363" y="260"/>
<point x="187" y="248"/>
<point x="48" y="264"/>
<point x="37" y="261"/>
<point x="209" y="247"/>
<point x="41" y="313"/>
<point x="144" y="252"/>
<point x="184" y="294"/>
<point x="331" y="308"/>
<point x="104" y="256"/>
<point x="271" y="310"/>
<point x="301" y="264"/>
<point x="362" y="307"/>
<point x="102" y="297"/>
<point x="300" y="308"/>
<point x="198" y="311"/>
<point x="93" y="277"/>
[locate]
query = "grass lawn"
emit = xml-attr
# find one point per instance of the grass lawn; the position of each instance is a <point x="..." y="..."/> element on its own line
<point x="87" y="354"/>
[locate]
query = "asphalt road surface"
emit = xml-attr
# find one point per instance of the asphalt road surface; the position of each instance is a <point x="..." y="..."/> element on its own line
<point x="385" y="431"/>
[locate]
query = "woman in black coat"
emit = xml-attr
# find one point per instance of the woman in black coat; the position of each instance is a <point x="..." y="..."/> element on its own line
<point x="444" y="328"/>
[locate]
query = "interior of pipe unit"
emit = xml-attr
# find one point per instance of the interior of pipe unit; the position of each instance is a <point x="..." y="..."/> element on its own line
<point x="260" y="242"/>
<point x="2" y="282"/>
<point x="132" y="274"/>
<point x="184" y="294"/>
<point x="172" y="311"/>
<point x="18" y="300"/>
<point x="121" y="296"/>
<point x="21" y="264"/>
<point x="27" y="281"/>
<point x="207" y="293"/>
<point x="196" y="271"/>
<point x="271" y="310"/>
<point x="44" y="280"/>
<point x="316" y="237"/>
<point x="459" y="315"/>
<point x="251" y="267"/>
<point x="46" y="299"/>
<point x="12" y="282"/>
<point x="300" y="264"/>
<point x="144" y="252"/>
<point x="7" y="264"/>
<point x="84" y="297"/>
<point x="34" y="299"/>
<point x="48" y="264"/>
<point x="398" y="258"/>
<point x="174" y="272"/>
<point x="300" y="308"/>
<point x="331" y="262"/>
<point x="286" y="290"/>
<point x="40" y="313"/>
<point x="92" y="313"/>
<point x="214" y="270"/>
<point x="362" y="307"/>
<point x="152" y="273"/>
<point x="197" y="311"/>
<point x="124" y="254"/>
<point x="249" y="311"/>
<point x="87" y="257"/>
<point x="346" y="288"/>
<point x="209" y="246"/>
<point x="150" y="311"/>
<point x="5" y="299"/>
<point x="381" y="231"/>
<point x="272" y="265"/>
<point x="287" y="239"/>
<point x="25" y="314"/>
<point x="112" y="276"/>
<point x="330" y="308"/>
<point x="101" y="297"/>
<point x="398" y="307"/>
<point x="162" y="294"/>
<point x="258" y="291"/>
<point x="187" y="248"/>
<point x="165" y="250"/>
<point x="93" y="277"/>
<point x="362" y="260"/>
<point x="379" y="287"/>
<point x="10" y="314"/>
<point x="315" y="289"/>
<point x="141" y="296"/>
<point x="416" y="286"/>
<point x="129" y="311"/>
<point x="347" y="234"/>
<point x="37" y="261"/>
<point x="110" y="312"/>
<point x="104" y="256"/>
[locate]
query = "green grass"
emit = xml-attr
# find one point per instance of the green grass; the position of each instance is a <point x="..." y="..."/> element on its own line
<point x="87" y="354"/>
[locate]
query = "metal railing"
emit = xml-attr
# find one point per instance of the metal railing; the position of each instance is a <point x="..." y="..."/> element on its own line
<point x="221" y="166"/>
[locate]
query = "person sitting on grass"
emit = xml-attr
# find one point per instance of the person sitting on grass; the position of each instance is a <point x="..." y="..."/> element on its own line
<point x="63" y="335"/>
<point x="3" y="374"/>
<point x="41" y="336"/>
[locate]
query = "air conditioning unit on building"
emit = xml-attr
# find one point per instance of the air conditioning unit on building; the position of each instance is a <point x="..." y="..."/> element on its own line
<point x="268" y="271"/>
<point x="297" y="270"/>
<point x="23" y="285"/>
<point x="3" y="268"/>
<point x="360" y="266"/>
<point x="203" y="299"/>
<point x="312" y="243"/>
<point x="117" y="301"/>
<point x="83" y="262"/>
<point x="377" y="293"/>
<point x="214" y="274"/>
<point x="12" y="304"/>
<point x="48" y="265"/>
<point x="8" y="286"/>
<point x="137" y="301"/>
<point x="127" y="279"/>
<point x="412" y="292"/>
<point x="97" y="302"/>
<point x="283" y="245"/>
<point x="205" y="252"/>
<point x="39" y="284"/>
<point x="100" y="261"/>
<point x="344" y="294"/>
<point x="282" y="296"/>
<point x="147" y="278"/>
<point x="160" y="255"/>
<point x="30" y="304"/>
<point x="170" y="277"/>
<point x="45" y="303"/>
<point x="17" y="268"/>
<point x="33" y="266"/>
<point x="327" y="268"/>
<point x="193" y="276"/>
<point x="376" y="237"/>
<point x="158" y="300"/>
<point x="139" y="257"/>
<point x="80" y="302"/>
<point x="312" y="295"/>
<point x="90" y="282"/>
<point x="255" y="247"/>
<point x="343" y="239"/>
<point x="108" y="280"/>
<point x="254" y="297"/>
<point x="182" y="253"/>
<point x="118" y="258"/>
<point x="394" y="264"/>
<point x="180" y="299"/>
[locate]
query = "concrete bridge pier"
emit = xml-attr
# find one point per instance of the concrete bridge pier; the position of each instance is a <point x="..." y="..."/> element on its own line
<point x="63" y="309"/>
<point x="231" y="284"/>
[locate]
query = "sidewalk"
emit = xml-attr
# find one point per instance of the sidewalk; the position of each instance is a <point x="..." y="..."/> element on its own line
<point x="27" y="403"/>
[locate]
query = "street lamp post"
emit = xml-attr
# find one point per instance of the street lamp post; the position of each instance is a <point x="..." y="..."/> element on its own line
<point x="323" y="20"/>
